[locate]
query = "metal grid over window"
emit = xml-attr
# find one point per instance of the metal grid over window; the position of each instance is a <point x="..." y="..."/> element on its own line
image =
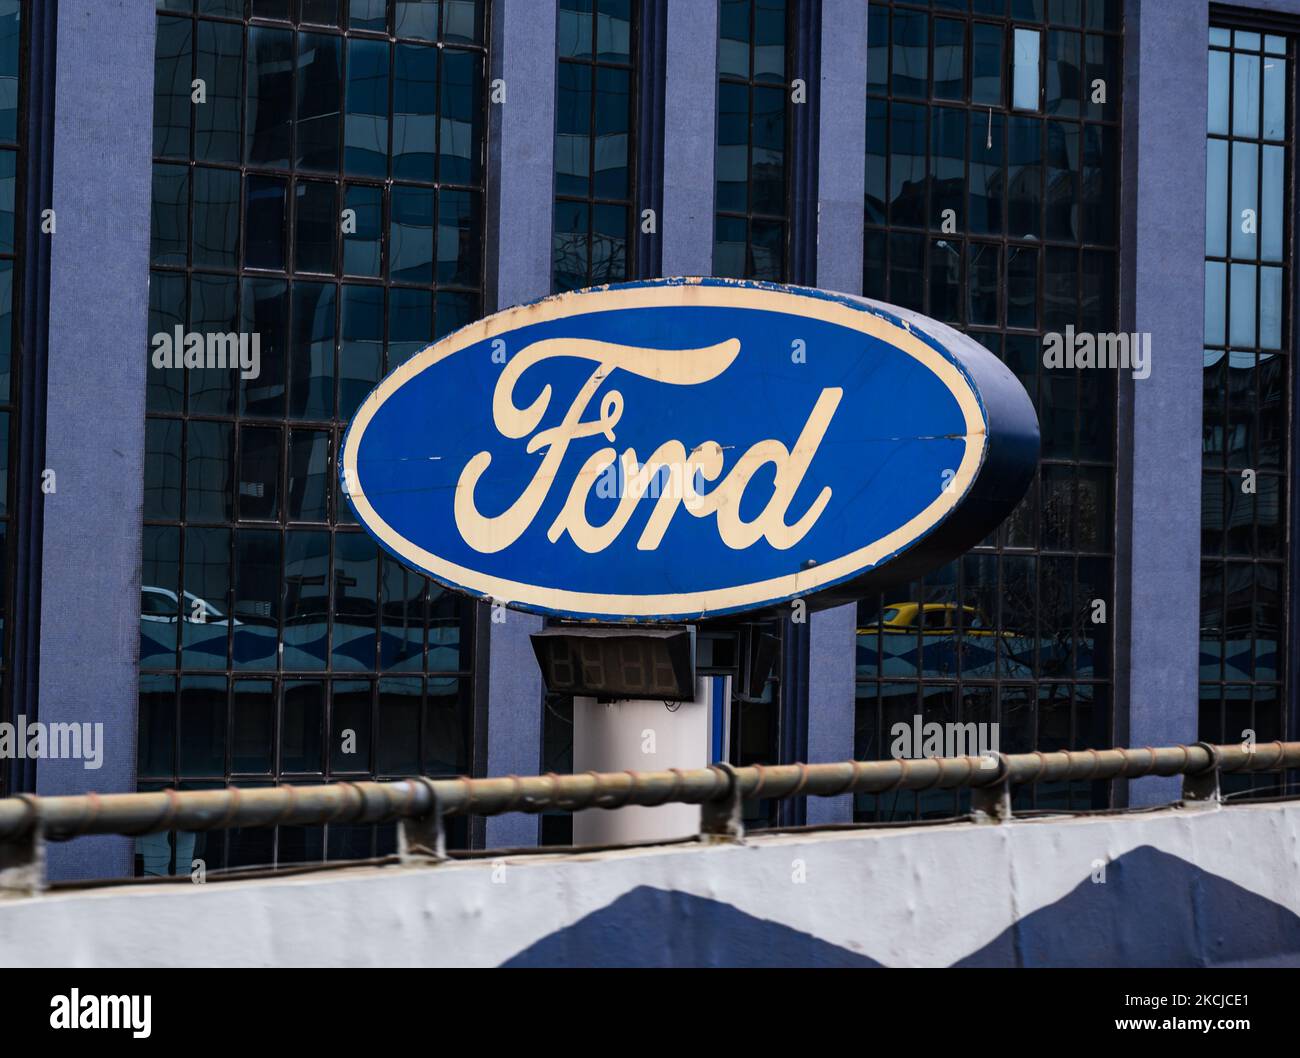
<point x="1248" y="382"/>
<point x="752" y="193"/>
<point x="595" y="151"/>
<point x="318" y="184"/>
<point x="12" y="102"/>
<point x="993" y="166"/>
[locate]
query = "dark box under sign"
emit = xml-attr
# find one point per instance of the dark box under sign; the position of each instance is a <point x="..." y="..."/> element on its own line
<point x="625" y="662"/>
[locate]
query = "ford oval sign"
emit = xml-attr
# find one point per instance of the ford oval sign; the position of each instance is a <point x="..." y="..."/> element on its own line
<point x="685" y="448"/>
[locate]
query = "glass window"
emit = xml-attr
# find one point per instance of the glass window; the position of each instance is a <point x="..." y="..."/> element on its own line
<point x="1247" y="385"/>
<point x="336" y="140"/>
<point x="751" y="225"/>
<point x="994" y="207"/>
<point x="594" y="148"/>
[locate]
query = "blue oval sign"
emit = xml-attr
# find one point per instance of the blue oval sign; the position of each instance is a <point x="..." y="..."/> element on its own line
<point x="680" y="449"/>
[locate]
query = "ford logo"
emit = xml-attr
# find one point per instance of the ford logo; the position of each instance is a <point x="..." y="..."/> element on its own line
<point x="685" y="448"/>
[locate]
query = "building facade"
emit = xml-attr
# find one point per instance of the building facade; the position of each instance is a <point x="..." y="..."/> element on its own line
<point x="336" y="183"/>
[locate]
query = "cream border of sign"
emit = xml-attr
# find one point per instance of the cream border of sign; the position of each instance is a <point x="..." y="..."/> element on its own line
<point x="740" y="596"/>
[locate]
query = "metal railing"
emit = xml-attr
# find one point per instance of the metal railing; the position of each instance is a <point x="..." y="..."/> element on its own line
<point x="419" y="805"/>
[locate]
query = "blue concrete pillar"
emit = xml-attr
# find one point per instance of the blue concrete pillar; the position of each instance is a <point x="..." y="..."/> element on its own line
<point x="1165" y="183"/>
<point x="842" y="88"/>
<point x="521" y="153"/>
<point x="98" y="322"/>
<point x="690" y="137"/>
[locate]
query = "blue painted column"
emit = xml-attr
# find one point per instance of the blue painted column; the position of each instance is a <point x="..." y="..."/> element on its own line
<point x="521" y="151"/>
<point x="690" y="137"/>
<point x="841" y="163"/>
<point x="98" y="322"/>
<point x="1165" y="240"/>
<point x="1166" y="93"/>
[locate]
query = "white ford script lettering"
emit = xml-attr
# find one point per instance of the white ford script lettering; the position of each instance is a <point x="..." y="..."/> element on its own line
<point x="678" y="367"/>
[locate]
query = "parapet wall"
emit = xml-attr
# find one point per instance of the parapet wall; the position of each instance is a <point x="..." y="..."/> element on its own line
<point x="1174" y="887"/>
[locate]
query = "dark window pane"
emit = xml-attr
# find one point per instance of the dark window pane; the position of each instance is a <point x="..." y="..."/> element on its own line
<point x="303" y="717"/>
<point x="160" y="607"/>
<point x="361" y="352"/>
<point x="417" y="18"/>
<point x="458" y="248"/>
<point x="734" y="38"/>
<point x="446" y="727"/>
<point x="907" y="164"/>
<point x="203" y="726"/>
<point x="398" y="743"/>
<point x="315" y="225"/>
<point x="986" y="64"/>
<point x="949" y="59"/>
<point x="363" y="230"/>
<point x="945" y="280"/>
<point x="403" y="605"/>
<point x="460" y="136"/>
<point x="368" y="14"/>
<point x="209" y="457"/>
<point x="216" y="217"/>
<point x="311" y="392"/>
<point x="609" y="244"/>
<point x="205" y="603"/>
<point x="306" y="599"/>
<point x="356" y="570"/>
<point x="613" y="128"/>
<point x="254" y="722"/>
<point x="309" y="476"/>
<point x="265" y="309"/>
<point x="411" y="234"/>
<point x="321" y="12"/>
<point x="947" y="168"/>
<point x="1024" y="178"/>
<point x="171" y="194"/>
<point x="220" y="62"/>
<point x="257" y="581"/>
<point x="157" y="726"/>
<point x="985" y="259"/>
<point x="269" y="117"/>
<point x="264" y="222"/>
<point x="1062" y="177"/>
<point x="365" y="135"/>
<point x="573" y="131"/>
<point x="569" y="253"/>
<point x="212" y="311"/>
<point x="1064" y="73"/>
<point x="910" y="53"/>
<point x="767" y="165"/>
<point x="1022" y="287"/>
<point x="319" y="101"/>
<point x="162" y="469"/>
<point x="906" y="274"/>
<point x="733" y="147"/>
<point x="171" y="91"/>
<point x="410" y="324"/>
<point x="415" y="122"/>
<point x="259" y="473"/>
<point x="350" y="727"/>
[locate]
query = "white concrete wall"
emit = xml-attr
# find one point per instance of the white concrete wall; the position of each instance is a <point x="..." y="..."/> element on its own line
<point x="1181" y="887"/>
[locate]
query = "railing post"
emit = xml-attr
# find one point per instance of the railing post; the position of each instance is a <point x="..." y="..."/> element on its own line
<point x="720" y="820"/>
<point x="1201" y="789"/>
<point x="421" y="839"/>
<point x="22" y="858"/>
<point x="992" y="803"/>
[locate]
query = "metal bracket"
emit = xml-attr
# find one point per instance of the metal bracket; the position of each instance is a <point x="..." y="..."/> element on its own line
<point x="720" y="820"/>
<point x="1201" y="789"/>
<point x="992" y="803"/>
<point x="422" y="839"/>
<point x="22" y="858"/>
